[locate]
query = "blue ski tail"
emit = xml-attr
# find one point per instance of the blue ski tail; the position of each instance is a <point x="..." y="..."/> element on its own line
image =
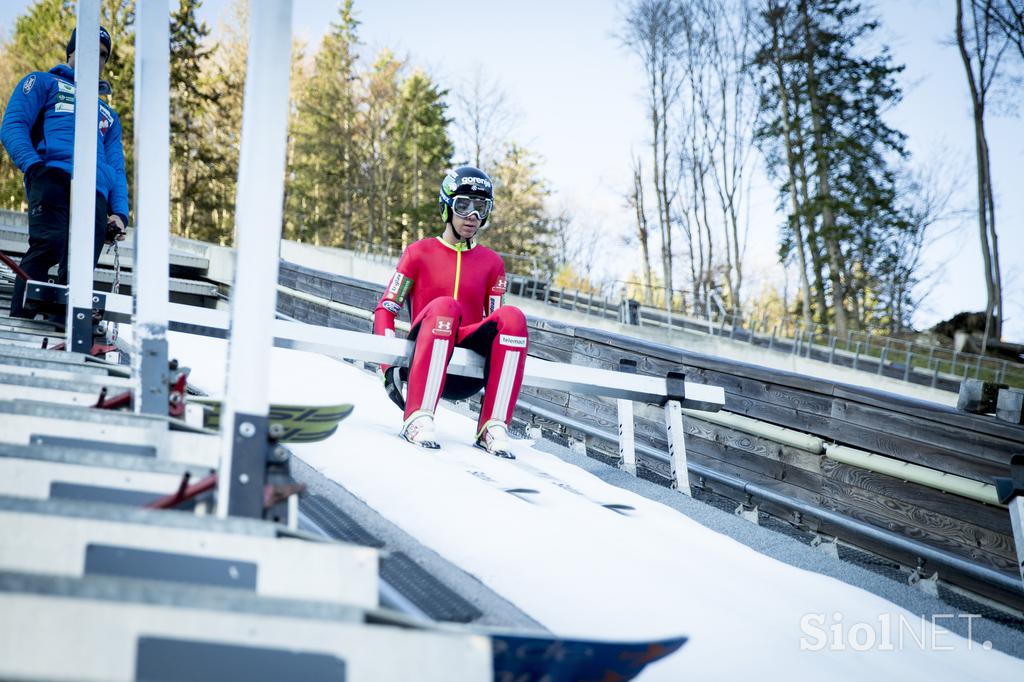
<point x="525" y="658"/>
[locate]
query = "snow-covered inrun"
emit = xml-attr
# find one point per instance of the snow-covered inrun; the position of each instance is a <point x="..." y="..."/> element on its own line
<point x="584" y="570"/>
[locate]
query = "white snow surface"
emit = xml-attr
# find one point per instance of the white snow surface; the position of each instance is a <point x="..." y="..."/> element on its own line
<point x="583" y="570"/>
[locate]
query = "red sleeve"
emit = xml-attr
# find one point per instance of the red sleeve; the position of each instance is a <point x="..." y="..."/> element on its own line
<point x="397" y="290"/>
<point x="496" y="287"/>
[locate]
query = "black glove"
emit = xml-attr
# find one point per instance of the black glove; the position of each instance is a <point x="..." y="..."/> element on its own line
<point x="393" y="385"/>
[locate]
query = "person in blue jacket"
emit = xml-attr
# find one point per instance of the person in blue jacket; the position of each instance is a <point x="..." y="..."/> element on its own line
<point x="38" y="132"/>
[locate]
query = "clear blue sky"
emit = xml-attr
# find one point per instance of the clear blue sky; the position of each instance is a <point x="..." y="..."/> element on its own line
<point x="581" y="104"/>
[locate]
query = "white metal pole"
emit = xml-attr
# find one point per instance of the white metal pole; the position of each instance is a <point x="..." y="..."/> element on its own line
<point x="677" y="446"/>
<point x="627" y="448"/>
<point x="258" y="235"/>
<point x="83" y="183"/>
<point x="152" y="202"/>
<point x="1017" y="524"/>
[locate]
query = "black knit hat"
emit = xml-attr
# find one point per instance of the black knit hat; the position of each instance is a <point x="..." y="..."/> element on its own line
<point x="104" y="38"/>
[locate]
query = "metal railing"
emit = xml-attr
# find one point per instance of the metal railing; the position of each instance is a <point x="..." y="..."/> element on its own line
<point x="905" y="359"/>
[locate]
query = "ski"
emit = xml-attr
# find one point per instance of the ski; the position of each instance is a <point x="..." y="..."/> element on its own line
<point x="524" y="494"/>
<point x="299" y="423"/>
<point x="616" y="507"/>
<point x="554" y="659"/>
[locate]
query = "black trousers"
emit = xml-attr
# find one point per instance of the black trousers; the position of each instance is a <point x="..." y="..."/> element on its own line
<point x="49" y="217"/>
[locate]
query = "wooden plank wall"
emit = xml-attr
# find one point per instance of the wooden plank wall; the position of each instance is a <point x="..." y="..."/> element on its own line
<point x="940" y="438"/>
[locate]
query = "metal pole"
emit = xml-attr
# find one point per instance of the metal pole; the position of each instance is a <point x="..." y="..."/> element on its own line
<point x="83" y="183"/>
<point x="261" y="168"/>
<point x="627" y="446"/>
<point x="152" y="203"/>
<point x="1017" y="524"/>
<point x="677" y="446"/>
<point x="707" y="310"/>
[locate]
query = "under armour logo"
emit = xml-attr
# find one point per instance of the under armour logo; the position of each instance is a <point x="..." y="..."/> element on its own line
<point x="443" y="326"/>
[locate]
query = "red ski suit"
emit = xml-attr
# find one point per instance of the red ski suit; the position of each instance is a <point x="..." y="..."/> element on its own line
<point x="456" y="295"/>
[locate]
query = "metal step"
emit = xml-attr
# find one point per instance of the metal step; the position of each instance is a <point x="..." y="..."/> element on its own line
<point x="121" y="629"/>
<point x="152" y="545"/>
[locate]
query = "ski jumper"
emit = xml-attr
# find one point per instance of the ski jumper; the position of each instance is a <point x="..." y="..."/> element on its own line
<point x="456" y="295"/>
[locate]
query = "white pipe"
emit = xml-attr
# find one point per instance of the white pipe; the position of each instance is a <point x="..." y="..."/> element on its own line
<point x="261" y="167"/>
<point x="152" y="198"/>
<point x="83" y="183"/>
<point x="771" y="432"/>
<point x="915" y="473"/>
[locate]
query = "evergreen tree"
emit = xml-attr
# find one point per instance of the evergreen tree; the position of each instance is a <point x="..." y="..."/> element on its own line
<point x="822" y="99"/>
<point x="222" y="128"/>
<point x="192" y="157"/>
<point x="325" y="156"/>
<point x="520" y="225"/>
<point x="424" y="153"/>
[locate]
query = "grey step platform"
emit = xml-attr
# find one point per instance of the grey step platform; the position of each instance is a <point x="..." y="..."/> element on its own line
<point x="21" y="420"/>
<point x="63" y="357"/>
<point x="100" y="628"/>
<point x="57" y="369"/>
<point x="72" y="390"/>
<point x="71" y="538"/>
<point x="114" y="473"/>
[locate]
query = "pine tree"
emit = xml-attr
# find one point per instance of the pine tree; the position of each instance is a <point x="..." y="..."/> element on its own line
<point x="822" y="100"/>
<point x="424" y="155"/>
<point x="520" y="225"/>
<point x="222" y="128"/>
<point x="192" y="96"/>
<point x="326" y="151"/>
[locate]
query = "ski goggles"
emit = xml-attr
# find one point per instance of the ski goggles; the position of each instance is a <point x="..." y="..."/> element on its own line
<point x="464" y="206"/>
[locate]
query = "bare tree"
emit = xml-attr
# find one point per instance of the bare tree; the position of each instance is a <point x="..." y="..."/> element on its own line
<point x="727" y="108"/>
<point x="652" y="31"/>
<point x="982" y="47"/>
<point x="1008" y="17"/>
<point x="927" y="193"/>
<point x="485" y="118"/>
<point x="636" y="202"/>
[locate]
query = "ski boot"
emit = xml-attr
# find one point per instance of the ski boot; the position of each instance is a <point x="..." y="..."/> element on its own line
<point x="419" y="430"/>
<point x="493" y="438"/>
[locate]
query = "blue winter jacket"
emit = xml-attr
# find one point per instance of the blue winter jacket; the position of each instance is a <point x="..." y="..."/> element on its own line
<point x="39" y="126"/>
